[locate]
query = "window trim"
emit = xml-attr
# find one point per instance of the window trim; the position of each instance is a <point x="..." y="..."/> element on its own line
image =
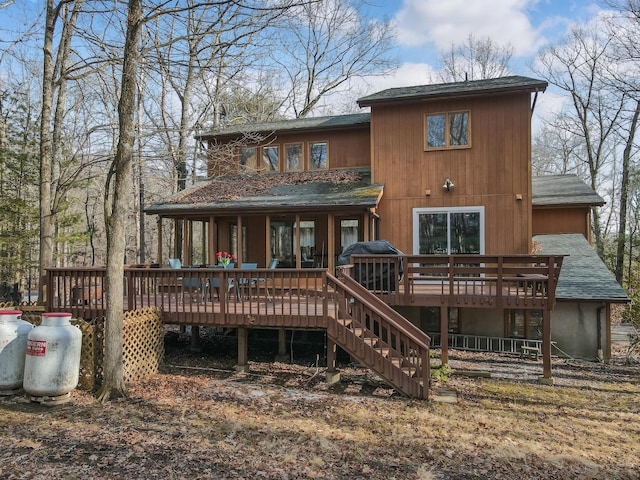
<point x="447" y="135"/>
<point x="263" y="166"/>
<point x="326" y="152"/>
<point x="285" y="166"/>
<point x="448" y="210"/>
<point x="247" y="167"/>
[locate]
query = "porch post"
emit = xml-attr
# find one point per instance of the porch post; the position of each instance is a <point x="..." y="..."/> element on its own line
<point x="240" y="258"/>
<point x="243" y="350"/>
<point x="204" y="244"/>
<point x="366" y="227"/>
<point x="333" y="376"/>
<point x="267" y="239"/>
<point x="211" y="250"/>
<point x="444" y="335"/>
<point x="331" y="240"/>
<point x="159" y="247"/>
<point x="546" y="347"/>
<point x="298" y="248"/>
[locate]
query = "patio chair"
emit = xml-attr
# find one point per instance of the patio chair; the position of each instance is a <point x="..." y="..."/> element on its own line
<point x="243" y="282"/>
<point x="192" y="285"/>
<point x="272" y="265"/>
<point x="214" y="283"/>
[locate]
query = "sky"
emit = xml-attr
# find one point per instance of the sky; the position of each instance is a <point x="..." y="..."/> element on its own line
<point x="426" y="27"/>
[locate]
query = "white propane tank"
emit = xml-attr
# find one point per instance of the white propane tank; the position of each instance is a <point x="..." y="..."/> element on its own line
<point x="13" y="348"/>
<point x="52" y="364"/>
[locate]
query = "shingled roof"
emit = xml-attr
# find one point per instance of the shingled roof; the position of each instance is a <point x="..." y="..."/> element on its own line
<point x="550" y="190"/>
<point x="583" y="277"/>
<point x="293" y="125"/>
<point x="457" y="89"/>
<point x="313" y="190"/>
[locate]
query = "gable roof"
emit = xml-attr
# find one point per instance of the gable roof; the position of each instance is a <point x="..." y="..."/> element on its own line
<point x="293" y="125"/>
<point x="455" y="89"/>
<point x="583" y="277"/>
<point x="562" y="190"/>
<point x="313" y="190"/>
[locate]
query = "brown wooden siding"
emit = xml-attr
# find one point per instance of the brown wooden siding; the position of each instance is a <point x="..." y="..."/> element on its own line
<point x="349" y="148"/>
<point x="561" y="220"/>
<point x="491" y="173"/>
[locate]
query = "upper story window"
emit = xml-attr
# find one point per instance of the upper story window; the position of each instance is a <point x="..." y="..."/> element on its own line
<point x="271" y="158"/>
<point x="447" y="130"/>
<point x="293" y="152"/>
<point x="291" y="157"/>
<point x="317" y="155"/>
<point x="248" y="159"/>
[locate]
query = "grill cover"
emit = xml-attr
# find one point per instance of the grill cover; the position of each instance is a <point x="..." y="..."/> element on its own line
<point x="384" y="276"/>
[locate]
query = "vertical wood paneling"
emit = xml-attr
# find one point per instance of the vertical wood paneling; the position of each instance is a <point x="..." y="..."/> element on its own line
<point x="490" y="173"/>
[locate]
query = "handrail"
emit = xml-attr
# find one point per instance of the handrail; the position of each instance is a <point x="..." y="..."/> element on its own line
<point x="361" y="294"/>
<point x="379" y="337"/>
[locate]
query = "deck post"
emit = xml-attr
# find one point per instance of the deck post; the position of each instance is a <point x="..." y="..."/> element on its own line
<point x="195" y="339"/>
<point x="546" y="348"/>
<point x="282" y="346"/>
<point x="333" y="375"/>
<point x="444" y="335"/>
<point x="243" y="350"/>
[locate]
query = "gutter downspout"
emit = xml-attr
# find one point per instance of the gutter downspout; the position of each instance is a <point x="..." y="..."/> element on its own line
<point x="599" y="331"/>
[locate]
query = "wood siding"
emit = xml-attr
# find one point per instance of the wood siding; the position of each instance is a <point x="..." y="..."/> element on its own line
<point x="494" y="172"/>
<point x="348" y="148"/>
<point x="562" y="220"/>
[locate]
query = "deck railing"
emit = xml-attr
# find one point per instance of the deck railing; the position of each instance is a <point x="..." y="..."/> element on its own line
<point x="485" y="281"/>
<point x="199" y="295"/>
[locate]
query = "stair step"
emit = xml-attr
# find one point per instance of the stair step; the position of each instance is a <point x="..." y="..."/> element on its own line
<point x="371" y="341"/>
<point x="345" y="322"/>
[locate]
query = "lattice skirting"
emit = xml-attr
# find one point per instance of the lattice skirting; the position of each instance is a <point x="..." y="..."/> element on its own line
<point x="143" y="345"/>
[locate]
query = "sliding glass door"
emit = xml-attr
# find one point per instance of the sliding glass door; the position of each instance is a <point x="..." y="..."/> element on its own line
<point x="458" y="230"/>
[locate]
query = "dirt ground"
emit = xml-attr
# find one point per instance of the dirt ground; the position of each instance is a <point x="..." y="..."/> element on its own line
<point x="200" y="419"/>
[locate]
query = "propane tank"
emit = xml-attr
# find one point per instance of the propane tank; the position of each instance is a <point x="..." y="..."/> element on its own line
<point x="13" y="347"/>
<point x="52" y="364"/>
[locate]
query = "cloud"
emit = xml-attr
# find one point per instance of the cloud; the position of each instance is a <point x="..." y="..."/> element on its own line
<point x="441" y="23"/>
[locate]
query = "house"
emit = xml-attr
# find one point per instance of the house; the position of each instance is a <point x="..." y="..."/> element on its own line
<point x="443" y="172"/>
<point x="434" y="169"/>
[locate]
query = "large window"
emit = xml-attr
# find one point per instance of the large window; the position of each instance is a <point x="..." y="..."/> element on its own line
<point x="270" y="158"/>
<point x="294" y="157"/>
<point x="317" y="155"/>
<point x="523" y="324"/>
<point x="451" y="231"/>
<point x="248" y="159"/>
<point x="447" y="130"/>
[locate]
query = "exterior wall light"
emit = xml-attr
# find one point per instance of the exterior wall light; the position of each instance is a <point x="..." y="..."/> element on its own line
<point x="448" y="184"/>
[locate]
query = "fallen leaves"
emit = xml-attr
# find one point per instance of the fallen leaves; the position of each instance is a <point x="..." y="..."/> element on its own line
<point x="274" y="423"/>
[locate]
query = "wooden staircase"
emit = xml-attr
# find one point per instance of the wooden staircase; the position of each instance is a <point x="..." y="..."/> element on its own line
<point x="379" y="337"/>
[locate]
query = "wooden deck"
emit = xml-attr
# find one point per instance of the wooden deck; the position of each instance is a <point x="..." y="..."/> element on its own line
<point x="294" y="298"/>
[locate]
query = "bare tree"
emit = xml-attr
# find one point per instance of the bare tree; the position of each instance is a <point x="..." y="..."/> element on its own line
<point x="117" y="195"/>
<point x="578" y="67"/>
<point x="475" y="59"/>
<point x="324" y="45"/>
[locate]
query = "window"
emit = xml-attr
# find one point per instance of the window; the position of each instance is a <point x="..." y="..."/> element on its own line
<point x="348" y="233"/>
<point x="317" y="155"/>
<point x="294" y="156"/>
<point x="270" y="158"/>
<point x="452" y="231"/>
<point x="447" y="130"/>
<point x="523" y="324"/>
<point x="248" y="159"/>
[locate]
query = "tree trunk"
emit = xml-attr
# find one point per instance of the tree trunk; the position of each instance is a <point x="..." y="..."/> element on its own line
<point x="117" y="197"/>
<point x="46" y="219"/>
<point x="624" y="195"/>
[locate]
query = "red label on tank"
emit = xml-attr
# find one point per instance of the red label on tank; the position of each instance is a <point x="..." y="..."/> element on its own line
<point x="36" y="348"/>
